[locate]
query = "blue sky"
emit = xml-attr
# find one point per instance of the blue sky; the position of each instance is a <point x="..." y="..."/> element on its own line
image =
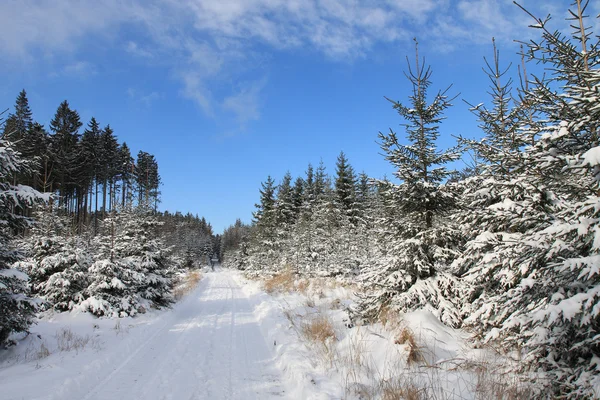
<point x="224" y="93"/>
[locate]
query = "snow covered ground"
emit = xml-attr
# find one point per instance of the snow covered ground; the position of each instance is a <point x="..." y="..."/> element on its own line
<point x="408" y="356"/>
<point x="228" y="339"/>
<point x="209" y="346"/>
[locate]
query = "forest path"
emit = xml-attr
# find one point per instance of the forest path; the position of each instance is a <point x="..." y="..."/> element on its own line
<point x="209" y="347"/>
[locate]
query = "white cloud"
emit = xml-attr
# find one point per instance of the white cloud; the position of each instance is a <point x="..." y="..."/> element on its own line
<point x="206" y="41"/>
<point x="245" y="103"/>
<point x="135" y="49"/>
<point x="80" y="69"/>
<point x="51" y="26"/>
<point x="146" y="99"/>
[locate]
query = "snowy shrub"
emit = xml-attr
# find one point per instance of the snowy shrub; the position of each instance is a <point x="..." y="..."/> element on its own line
<point x="57" y="267"/>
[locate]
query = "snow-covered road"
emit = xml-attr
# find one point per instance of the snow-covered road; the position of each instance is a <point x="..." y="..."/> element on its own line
<point x="209" y="346"/>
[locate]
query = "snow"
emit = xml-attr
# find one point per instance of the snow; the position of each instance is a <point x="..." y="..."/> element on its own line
<point x="209" y="346"/>
<point x="592" y="157"/>
<point x="364" y="358"/>
<point x="14" y="273"/>
<point x="228" y="339"/>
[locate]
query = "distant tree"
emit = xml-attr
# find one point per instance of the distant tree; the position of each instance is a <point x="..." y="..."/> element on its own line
<point x="126" y="168"/>
<point x="147" y="179"/>
<point x="265" y="209"/>
<point x="109" y="167"/>
<point x="284" y="205"/>
<point x="17" y="125"/>
<point x="345" y="187"/>
<point x="63" y="147"/>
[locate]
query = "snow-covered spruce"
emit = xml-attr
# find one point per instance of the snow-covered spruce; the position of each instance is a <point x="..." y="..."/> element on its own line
<point x="132" y="270"/>
<point x="417" y="241"/>
<point x="16" y="307"/>
<point x="535" y="259"/>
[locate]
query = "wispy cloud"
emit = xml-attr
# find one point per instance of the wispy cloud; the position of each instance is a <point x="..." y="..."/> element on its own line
<point x="146" y="99"/>
<point x="135" y="49"/>
<point x="51" y="26"/>
<point x="245" y="103"/>
<point x="80" y="69"/>
<point x="204" y="43"/>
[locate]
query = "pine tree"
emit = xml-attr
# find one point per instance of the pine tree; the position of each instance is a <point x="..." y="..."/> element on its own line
<point x="18" y="130"/>
<point x="109" y="165"/>
<point x="65" y="125"/>
<point x="345" y="187"/>
<point x="18" y="124"/>
<point x="133" y="270"/>
<point x="420" y="243"/>
<point x="284" y="205"/>
<point x="126" y="166"/>
<point x="298" y="196"/>
<point x="264" y="232"/>
<point x="57" y="262"/>
<point x="91" y="164"/>
<point x="147" y="179"/>
<point x="542" y="283"/>
<point x="16" y="308"/>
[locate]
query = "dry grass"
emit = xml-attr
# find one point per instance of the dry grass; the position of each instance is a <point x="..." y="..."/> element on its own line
<point x="318" y="329"/>
<point x="67" y="340"/>
<point x="388" y="317"/>
<point x="492" y="383"/>
<point x="42" y="352"/>
<point x="399" y="389"/>
<point x="188" y="283"/>
<point x="407" y="338"/>
<point x="302" y="286"/>
<point x="281" y="282"/>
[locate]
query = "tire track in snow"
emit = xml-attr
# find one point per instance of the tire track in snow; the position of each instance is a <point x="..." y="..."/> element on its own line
<point x="210" y="346"/>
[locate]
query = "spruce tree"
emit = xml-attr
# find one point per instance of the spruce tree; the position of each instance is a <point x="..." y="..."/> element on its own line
<point x="420" y="245"/>
<point x="147" y="179"/>
<point x="284" y="206"/>
<point x="57" y="262"/>
<point x="345" y="187"/>
<point x="264" y="232"/>
<point x="126" y="167"/>
<point x="18" y="124"/>
<point x="542" y="283"/>
<point x="108" y="167"/>
<point x="16" y="308"/>
<point x="65" y="125"/>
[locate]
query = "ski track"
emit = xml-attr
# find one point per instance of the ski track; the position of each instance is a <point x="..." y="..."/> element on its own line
<point x="209" y="347"/>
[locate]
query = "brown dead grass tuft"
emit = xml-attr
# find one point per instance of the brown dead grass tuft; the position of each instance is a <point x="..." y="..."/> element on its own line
<point x="407" y="338"/>
<point x="492" y="384"/>
<point x="389" y="317"/>
<point x="281" y="282"/>
<point x="319" y="329"/>
<point x="188" y="283"/>
<point x="397" y="390"/>
<point x="42" y="352"/>
<point x="302" y="286"/>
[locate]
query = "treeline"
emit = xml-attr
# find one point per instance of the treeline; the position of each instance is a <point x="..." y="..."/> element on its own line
<point x="90" y="172"/>
<point x="509" y="247"/>
<point x="80" y="230"/>
<point x="191" y="237"/>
